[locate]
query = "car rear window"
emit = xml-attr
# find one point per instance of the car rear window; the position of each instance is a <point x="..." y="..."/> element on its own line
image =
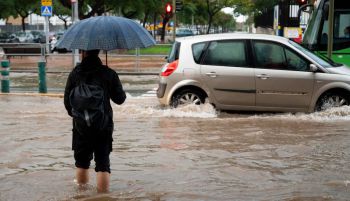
<point x="174" y="52"/>
<point x="197" y="50"/>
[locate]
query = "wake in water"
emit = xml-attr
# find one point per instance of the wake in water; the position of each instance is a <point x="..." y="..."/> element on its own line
<point x="136" y="110"/>
<point x="147" y="106"/>
<point x="138" y="107"/>
<point x="330" y="114"/>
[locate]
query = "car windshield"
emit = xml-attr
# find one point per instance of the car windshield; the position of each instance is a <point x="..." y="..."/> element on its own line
<point x="324" y="61"/>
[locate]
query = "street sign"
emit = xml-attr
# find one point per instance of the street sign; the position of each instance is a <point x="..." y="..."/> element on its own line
<point x="46" y="11"/>
<point x="46" y="2"/>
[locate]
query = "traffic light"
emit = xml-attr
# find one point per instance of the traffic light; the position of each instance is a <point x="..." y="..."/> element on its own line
<point x="302" y="2"/>
<point x="168" y="8"/>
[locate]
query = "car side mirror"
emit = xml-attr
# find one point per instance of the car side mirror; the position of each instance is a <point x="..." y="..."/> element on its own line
<point x="313" y="68"/>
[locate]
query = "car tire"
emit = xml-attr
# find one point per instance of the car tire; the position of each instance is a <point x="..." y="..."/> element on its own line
<point x="332" y="99"/>
<point x="188" y="96"/>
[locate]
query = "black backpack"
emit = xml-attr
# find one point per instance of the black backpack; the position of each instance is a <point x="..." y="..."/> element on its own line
<point x="88" y="106"/>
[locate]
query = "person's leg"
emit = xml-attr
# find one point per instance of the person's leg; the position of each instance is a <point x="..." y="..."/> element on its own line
<point x="82" y="176"/>
<point x="102" y="151"/>
<point x="82" y="157"/>
<point x="102" y="180"/>
<point x="83" y="154"/>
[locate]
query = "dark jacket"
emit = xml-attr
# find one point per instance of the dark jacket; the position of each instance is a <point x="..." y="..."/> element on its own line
<point x="92" y="70"/>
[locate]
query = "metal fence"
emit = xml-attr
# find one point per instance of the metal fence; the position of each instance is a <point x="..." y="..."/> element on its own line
<point x="24" y="57"/>
<point x="14" y="28"/>
<point x="32" y="58"/>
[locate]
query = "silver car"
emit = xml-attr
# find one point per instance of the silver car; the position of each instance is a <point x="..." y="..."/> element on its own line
<point x="251" y="72"/>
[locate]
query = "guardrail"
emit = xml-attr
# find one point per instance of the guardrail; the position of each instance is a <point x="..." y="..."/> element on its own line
<point x="22" y="56"/>
<point x="135" y="61"/>
<point x="23" y="49"/>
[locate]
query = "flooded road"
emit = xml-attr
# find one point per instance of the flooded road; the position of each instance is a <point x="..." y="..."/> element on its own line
<point x="190" y="153"/>
<point x="28" y="82"/>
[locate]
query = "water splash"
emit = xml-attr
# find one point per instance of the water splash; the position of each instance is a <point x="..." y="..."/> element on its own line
<point x="149" y="107"/>
<point x="135" y="110"/>
<point x="330" y="114"/>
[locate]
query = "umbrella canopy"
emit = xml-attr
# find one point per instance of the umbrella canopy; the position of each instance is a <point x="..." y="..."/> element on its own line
<point x="106" y="33"/>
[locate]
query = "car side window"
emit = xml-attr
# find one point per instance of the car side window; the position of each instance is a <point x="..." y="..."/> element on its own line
<point x="226" y="53"/>
<point x="269" y="55"/>
<point x="174" y="53"/>
<point x="197" y="50"/>
<point x="295" y="62"/>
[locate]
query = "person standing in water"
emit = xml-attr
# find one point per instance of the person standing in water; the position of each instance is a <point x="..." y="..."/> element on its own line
<point x="89" y="89"/>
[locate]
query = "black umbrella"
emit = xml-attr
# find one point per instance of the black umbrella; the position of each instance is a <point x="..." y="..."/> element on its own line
<point x="106" y="33"/>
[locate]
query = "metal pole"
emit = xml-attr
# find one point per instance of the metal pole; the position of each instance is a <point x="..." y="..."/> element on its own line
<point x="42" y="72"/>
<point x="47" y="30"/>
<point x="330" y="28"/>
<point x="5" y="76"/>
<point x="174" y="19"/>
<point x="75" y="20"/>
<point x="137" y="59"/>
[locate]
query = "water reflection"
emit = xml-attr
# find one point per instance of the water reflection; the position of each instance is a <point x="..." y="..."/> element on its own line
<point x="189" y="153"/>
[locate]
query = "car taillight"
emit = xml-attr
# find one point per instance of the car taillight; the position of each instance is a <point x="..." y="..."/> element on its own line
<point x="169" y="68"/>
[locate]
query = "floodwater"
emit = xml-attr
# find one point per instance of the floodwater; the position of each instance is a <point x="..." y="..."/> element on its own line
<point x="187" y="154"/>
<point x="55" y="82"/>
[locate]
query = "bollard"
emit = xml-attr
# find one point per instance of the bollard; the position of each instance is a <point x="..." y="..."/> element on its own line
<point x="42" y="77"/>
<point x="5" y="76"/>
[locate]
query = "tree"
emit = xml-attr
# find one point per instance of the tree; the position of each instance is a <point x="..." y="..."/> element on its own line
<point x="89" y="8"/>
<point x="252" y="7"/>
<point x="225" y="21"/>
<point x="63" y="13"/>
<point x="129" y="9"/>
<point x="24" y="8"/>
<point x="6" y="9"/>
<point x="189" y="10"/>
<point x="213" y="7"/>
<point x="150" y="7"/>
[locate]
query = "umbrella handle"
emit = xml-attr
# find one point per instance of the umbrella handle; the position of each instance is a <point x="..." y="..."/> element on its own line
<point x="106" y="58"/>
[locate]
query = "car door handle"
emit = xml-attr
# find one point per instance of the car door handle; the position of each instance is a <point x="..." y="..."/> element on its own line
<point x="263" y="76"/>
<point x="211" y="74"/>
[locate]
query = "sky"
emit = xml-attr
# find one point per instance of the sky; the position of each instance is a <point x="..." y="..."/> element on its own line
<point x="239" y="19"/>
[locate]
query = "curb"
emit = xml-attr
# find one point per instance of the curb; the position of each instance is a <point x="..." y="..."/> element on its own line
<point x="34" y="94"/>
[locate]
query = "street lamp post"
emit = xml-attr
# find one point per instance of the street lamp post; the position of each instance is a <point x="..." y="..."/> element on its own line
<point x="174" y="19"/>
<point x="75" y="16"/>
<point x="330" y="28"/>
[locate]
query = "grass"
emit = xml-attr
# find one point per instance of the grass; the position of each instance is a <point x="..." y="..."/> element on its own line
<point x="157" y="49"/>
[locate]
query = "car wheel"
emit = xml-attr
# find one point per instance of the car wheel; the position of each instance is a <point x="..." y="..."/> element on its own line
<point x="329" y="100"/>
<point x="188" y="96"/>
